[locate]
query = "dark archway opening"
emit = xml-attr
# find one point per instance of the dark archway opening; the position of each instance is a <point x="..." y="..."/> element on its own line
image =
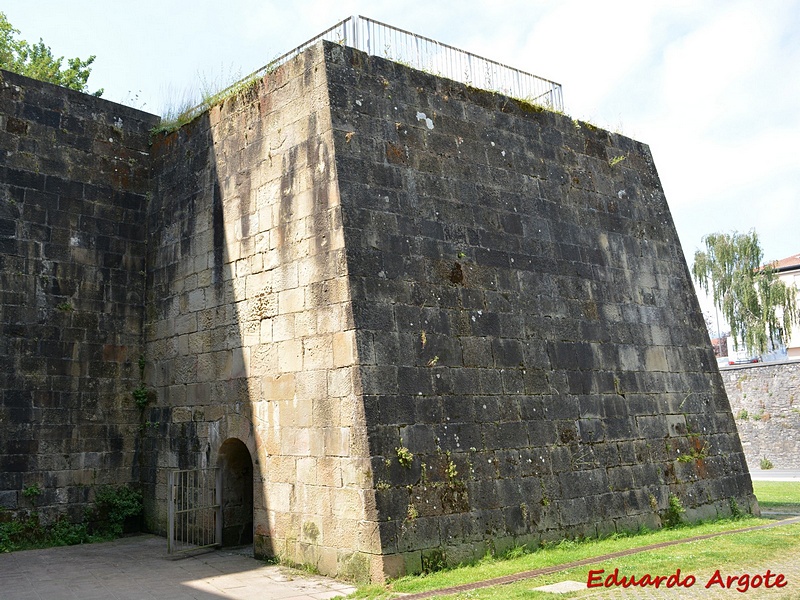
<point x="236" y="466"/>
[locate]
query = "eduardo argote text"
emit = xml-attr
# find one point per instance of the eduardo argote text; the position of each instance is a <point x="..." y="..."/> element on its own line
<point x="742" y="583"/>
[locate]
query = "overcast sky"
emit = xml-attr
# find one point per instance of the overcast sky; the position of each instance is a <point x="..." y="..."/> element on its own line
<point x="712" y="86"/>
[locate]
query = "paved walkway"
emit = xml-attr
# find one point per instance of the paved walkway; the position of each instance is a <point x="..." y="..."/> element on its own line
<point x="775" y="474"/>
<point x="138" y="568"/>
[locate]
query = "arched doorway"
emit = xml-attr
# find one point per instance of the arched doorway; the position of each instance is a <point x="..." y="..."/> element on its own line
<point x="236" y="468"/>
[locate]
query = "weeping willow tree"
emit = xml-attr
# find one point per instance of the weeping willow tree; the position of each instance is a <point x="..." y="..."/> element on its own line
<point x="759" y="307"/>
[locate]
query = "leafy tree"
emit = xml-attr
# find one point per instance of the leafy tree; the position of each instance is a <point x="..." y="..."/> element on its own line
<point x="37" y="61"/>
<point x="758" y="306"/>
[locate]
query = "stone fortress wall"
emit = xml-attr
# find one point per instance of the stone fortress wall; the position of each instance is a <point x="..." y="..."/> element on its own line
<point x="74" y="176"/>
<point x="765" y="401"/>
<point x="249" y="322"/>
<point x="526" y="324"/>
<point x="409" y="319"/>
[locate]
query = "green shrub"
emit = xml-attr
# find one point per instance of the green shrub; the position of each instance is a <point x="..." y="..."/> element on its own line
<point x="28" y="532"/>
<point x="736" y="511"/>
<point x="434" y="560"/>
<point x="10" y="533"/>
<point x="65" y="533"/>
<point x="105" y="520"/>
<point x="674" y="514"/>
<point x="112" y="505"/>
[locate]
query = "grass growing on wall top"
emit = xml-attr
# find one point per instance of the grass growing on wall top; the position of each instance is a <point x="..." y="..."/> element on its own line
<point x="186" y="109"/>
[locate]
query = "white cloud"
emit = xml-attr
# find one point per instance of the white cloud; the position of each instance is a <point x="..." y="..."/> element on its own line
<point x="706" y="74"/>
<point x="711" y="86"/>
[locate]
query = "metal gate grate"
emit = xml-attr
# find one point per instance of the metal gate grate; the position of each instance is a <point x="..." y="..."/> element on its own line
<point x="195" y="514"/>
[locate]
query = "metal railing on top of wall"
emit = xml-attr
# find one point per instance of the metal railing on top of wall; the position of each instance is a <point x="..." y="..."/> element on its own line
<point x="378" y="39"/>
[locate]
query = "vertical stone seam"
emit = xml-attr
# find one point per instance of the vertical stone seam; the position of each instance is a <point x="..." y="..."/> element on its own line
<point x="359" y="438"/>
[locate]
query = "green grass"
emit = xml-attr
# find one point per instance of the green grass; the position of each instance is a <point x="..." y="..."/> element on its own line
<point x="186" y="107"/>
<point x="777" y="493"/>
<point x="551" y="554"/>
<point x="734" y="552"/>
<point x="732" y="555"/>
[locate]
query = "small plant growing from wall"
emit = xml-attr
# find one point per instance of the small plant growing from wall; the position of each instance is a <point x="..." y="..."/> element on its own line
<point x="766" y="464"/>
<point x="404" y="457"/>
<point x="613" y="162"/>
<point x="412" y="512"/>
<point x="186" y="109"/>
<point x="32" y="492"/>
<point x="736" y="511"/>
<point x="141" y="396"/>
<point x="697" y="453"/>
<point x="450" y="471"/>
<point x="674" y="514"/>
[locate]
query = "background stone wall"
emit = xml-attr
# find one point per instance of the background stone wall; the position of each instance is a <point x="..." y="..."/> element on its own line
<point x="73" y="184"/>
<point x="765" y="401"/>
<point x="533" y="359"/>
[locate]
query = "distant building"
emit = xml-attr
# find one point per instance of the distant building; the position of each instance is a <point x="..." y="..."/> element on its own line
<point x="788" y="270"/>
<point x="720" y="345"/>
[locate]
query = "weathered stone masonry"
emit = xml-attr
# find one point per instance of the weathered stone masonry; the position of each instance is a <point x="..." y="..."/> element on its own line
<point x="526" y="323"/>
<point x="765" y="401"/>
<point x="73" y="182"/>
<point x="249" y="326"/>
<point x="437" y="319"/>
